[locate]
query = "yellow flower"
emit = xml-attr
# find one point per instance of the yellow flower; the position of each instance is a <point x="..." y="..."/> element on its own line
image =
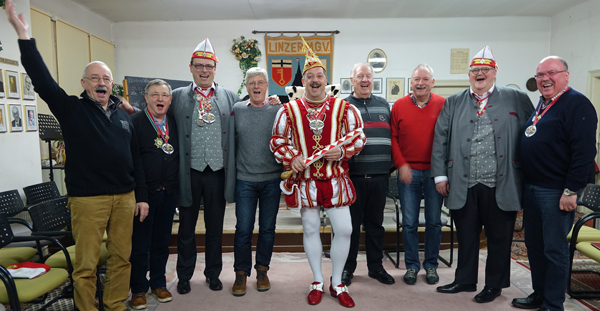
<point x="244" y="55"/>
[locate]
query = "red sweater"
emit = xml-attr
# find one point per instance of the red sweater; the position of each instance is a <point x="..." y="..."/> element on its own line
<point x="413" y="130"/>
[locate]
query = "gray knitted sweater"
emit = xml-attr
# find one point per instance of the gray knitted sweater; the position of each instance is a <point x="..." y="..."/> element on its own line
<point x="253" y="127"/>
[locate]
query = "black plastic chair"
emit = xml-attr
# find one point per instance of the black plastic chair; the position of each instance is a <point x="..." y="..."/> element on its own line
<point x="590" y="198"/>
<point x="39" y="193"/>
<point x="26" y="290"/>
<point x="12" y="205"/>
<point x="393" y="194"/>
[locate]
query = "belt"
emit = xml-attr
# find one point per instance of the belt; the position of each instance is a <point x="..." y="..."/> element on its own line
<point x="367" y="175"/>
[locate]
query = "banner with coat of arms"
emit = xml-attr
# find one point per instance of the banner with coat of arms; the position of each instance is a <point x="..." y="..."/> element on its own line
<point x="285" y="59"/>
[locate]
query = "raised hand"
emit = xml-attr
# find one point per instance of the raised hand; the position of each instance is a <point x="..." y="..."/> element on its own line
<point x="18" y="22"/>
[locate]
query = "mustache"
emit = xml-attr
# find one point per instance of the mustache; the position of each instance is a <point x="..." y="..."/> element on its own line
<point x="101" y="88"/>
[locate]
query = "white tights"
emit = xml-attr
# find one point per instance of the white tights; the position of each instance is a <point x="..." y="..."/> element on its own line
<point x="341" y="223"/>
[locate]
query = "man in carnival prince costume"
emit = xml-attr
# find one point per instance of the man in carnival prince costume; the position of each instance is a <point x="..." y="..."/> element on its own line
<point x="327" y="131"/>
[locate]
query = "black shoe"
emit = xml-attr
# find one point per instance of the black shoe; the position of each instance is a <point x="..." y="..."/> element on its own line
<point x="183" y="287"/>
<point x="488" y="294"/>
<point x="214" y="283"/>
<point x="382" y="276"/>
<point x="533" y="301"/>
<point x="454" y="288"/>
<point x="347" y="277"/>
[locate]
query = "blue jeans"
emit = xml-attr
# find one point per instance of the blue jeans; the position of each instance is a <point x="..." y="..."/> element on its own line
<point x="410" y="201"/>
<point x="546" y="229"/>
<point x="150" y="242"/>
<point x="247" y="195"/>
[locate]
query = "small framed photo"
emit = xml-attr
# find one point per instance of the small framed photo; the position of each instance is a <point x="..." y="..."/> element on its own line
<point x="377" y="85"/>
<point x="394" y="89"/>
<point x="346" y="85"/>
<point x="1" y="84"/>
<point x="409" y="87"/>
<point x="377" y="59"/>
<point x="16" y="117"/>
<point x="28" y="92"/>
<point x="2" y="118"/>
<point x="31" y="118"/>
<point x="12" y="88"/>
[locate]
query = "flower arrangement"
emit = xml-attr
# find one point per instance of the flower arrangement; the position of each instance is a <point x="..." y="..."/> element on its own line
<point x="247" y="53"/>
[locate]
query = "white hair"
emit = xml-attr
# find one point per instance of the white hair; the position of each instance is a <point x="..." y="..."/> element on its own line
<point x="93" y="63"/>
<point x="424" y="67"/>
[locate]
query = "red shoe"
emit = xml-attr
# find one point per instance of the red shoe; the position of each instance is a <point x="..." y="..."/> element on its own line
<point x="316" y="292"/>
<point x="341" y="292"/>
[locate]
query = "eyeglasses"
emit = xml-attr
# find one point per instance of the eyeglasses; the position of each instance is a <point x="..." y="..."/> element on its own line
<point x="259" y="83"/>
<point x="207" y="67"/>
<point x="96" y="79"/>
<point x="540" y="76"/>
<point x="483" y="70"/>
<point x="157" y="95"/>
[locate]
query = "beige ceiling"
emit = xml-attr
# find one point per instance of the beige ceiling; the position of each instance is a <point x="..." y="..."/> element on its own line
<point x="180" y="10"/>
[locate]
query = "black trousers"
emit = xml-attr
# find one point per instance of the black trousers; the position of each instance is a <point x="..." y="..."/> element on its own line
<point x="367" y="210"/>
<point x="210" y="186"/>
<point x="481" y="209"/>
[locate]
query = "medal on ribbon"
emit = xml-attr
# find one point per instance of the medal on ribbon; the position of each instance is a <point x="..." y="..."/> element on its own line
<point x="162" y="141"/>
<point x="315" y="117"/>
<point x="204" y="106"/>
<point x="532" y="129"/>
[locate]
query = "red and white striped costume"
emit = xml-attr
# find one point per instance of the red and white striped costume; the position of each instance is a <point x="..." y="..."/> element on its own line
<point x="324" y="183"/>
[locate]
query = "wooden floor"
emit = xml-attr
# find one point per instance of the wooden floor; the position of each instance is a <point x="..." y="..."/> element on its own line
<point x="289" y="230"/>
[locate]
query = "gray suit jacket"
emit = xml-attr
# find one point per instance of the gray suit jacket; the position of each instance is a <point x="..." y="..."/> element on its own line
<point x="509" y="109"/>
<point x="182" y="108"/>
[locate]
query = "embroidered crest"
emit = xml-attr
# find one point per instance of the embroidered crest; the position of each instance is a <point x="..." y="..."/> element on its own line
<point x="382" y="117"/>
<point x="125" y="125"/>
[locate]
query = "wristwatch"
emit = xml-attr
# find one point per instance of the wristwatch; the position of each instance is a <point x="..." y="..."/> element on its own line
<point x="568" y="192"/>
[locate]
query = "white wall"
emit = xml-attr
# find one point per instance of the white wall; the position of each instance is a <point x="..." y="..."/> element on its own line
<point x="77" y="15"/>
<point x="19" y="151"/>
<point x="576" y="38"/>
<point x="163" y="49"/>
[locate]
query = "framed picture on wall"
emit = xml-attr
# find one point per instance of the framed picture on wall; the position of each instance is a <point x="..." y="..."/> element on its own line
<point x="409" y="87"/>
<point x="12" y="84"/>
<point x="377" y="85"/>
<point x="31" y="117"/>
<point x="2" y="118"/>
<point x="1" y="84"/>
<point x="346" y="85"/>
<point x="16" y="117"/>
<point x="394" y="89"/>
<point x="28" y="92"/>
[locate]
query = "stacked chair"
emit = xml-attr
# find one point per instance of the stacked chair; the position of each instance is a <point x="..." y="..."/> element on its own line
<point x="39" y="193"/>
<point x="582" y="237"/>
<point x="16" y="291"/>
<point x="393" y="195"/>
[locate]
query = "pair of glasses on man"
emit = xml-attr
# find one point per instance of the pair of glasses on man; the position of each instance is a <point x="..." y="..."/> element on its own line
<point x="483" y="70"/>
<point x="540" y="76"/>
<point x="158" y="95"/>
<point x="259" y="83"/>
<point x="207" y="67"/>
<point x="97" y="79"/>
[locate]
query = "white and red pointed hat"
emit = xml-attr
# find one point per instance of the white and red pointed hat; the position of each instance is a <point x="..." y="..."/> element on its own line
<point x="311" y="60"/>
<point x="205" y="50"/>
<point x="485" y="57"/>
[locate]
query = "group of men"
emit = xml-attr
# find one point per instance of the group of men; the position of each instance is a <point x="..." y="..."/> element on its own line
<point x="486" y="151"/>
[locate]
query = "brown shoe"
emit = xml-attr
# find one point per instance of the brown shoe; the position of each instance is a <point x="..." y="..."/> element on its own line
<point x="138" y="301"/>
<point x="262" y="280"/>
<point x="239" y="286"/>
<point x="162" y="294"/>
